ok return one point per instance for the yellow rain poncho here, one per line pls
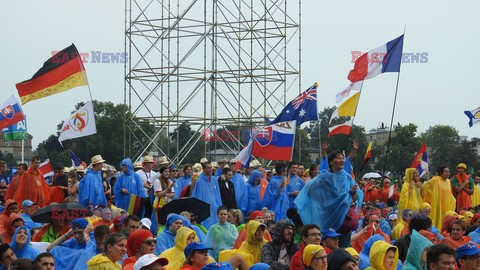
(438, 193)
(102, 262)
(377, 255)
(175, 255)
(476, 195)
(410, 196)
(252, 245)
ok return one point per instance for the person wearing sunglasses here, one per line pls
(139, 243)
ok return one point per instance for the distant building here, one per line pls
(15, 148)
(379, 136)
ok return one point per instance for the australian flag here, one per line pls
(303, 108)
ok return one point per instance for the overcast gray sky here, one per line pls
(436, 92)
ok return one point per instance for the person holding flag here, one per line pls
(128, 183)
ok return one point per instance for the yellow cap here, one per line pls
(308, 253)
(462, 165)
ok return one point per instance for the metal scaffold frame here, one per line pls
(212, 63)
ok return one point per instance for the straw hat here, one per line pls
(97, 159)
(137, 165)
(233, 161)
(203, 160)
(80, 169)
(163, 161)
(148, 159)
(223, 160)
(215, 165)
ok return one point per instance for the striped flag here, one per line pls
(61, 72)
(344, 128)
(136, 205)
(368, 155)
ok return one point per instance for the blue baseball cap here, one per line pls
(220, 266)
(27, 203)
(467, 250)
(330, 232)
(195, 246)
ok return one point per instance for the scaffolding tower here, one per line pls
(212, 64)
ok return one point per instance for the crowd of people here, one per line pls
(288, 217)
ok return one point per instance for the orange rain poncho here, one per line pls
(438, 193)
(32, 187)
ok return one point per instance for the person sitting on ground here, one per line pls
(99, 234)
(330, 239)
(340, 259)
(242, 236)
(222, 235)
(383, 256)
(11, 206)
(52, 231)
(106, 218)
(255, 240)
(370, 226)
(416, 256)
(21, 244)
(197, 258)
(279, 252)
(14, 221)
(311, 234)
(150, 262)
(130, 224)
(79, 240)
(441, 257)
(235, 217)
(401, 228)
(176, 255)
(139, 243)
(314, 257)
(145, 224)
(7, 256)
(468, 257)
(166, 238)
(28, 208)
(114, 249)
(457, 236)
(418, 223)
(45, 260)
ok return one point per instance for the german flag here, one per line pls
(368, 155)
(61, 72)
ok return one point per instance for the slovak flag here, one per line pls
(274, 142)
(11, 113)
(386, 58)
(421, 161)
(301, 109)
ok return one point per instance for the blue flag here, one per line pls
(75, 160)
(303, 108)
(473, 116)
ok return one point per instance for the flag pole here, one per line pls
(23, 151)
(96, 131)
(393, 111)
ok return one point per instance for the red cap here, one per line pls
(255, 214)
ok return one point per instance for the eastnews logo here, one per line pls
(383, 57)
(94, 57)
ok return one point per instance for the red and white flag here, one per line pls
(46, 168)
(344, 128)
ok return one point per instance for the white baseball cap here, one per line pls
(146, 222)
(147, 260)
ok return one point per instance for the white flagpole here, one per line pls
(23, 151)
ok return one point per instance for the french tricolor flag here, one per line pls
(386, 58)
(10, 113)
(344, 128)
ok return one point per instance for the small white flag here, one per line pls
(81, 123)
(346, 91)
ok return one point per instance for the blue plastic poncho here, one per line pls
(221, 237)
(207, 190)
(272, 192)
(79, 262)
(130, 181)
(27, 251)
(90, 190)
(29, 222)
(323, 164)
(240, 187)
(64, 256)
(295, 184)
(180, 184)
(360, 197)
(281, 205)
(260, 266)
(166, 239)
(325, 200)
(251, 198)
